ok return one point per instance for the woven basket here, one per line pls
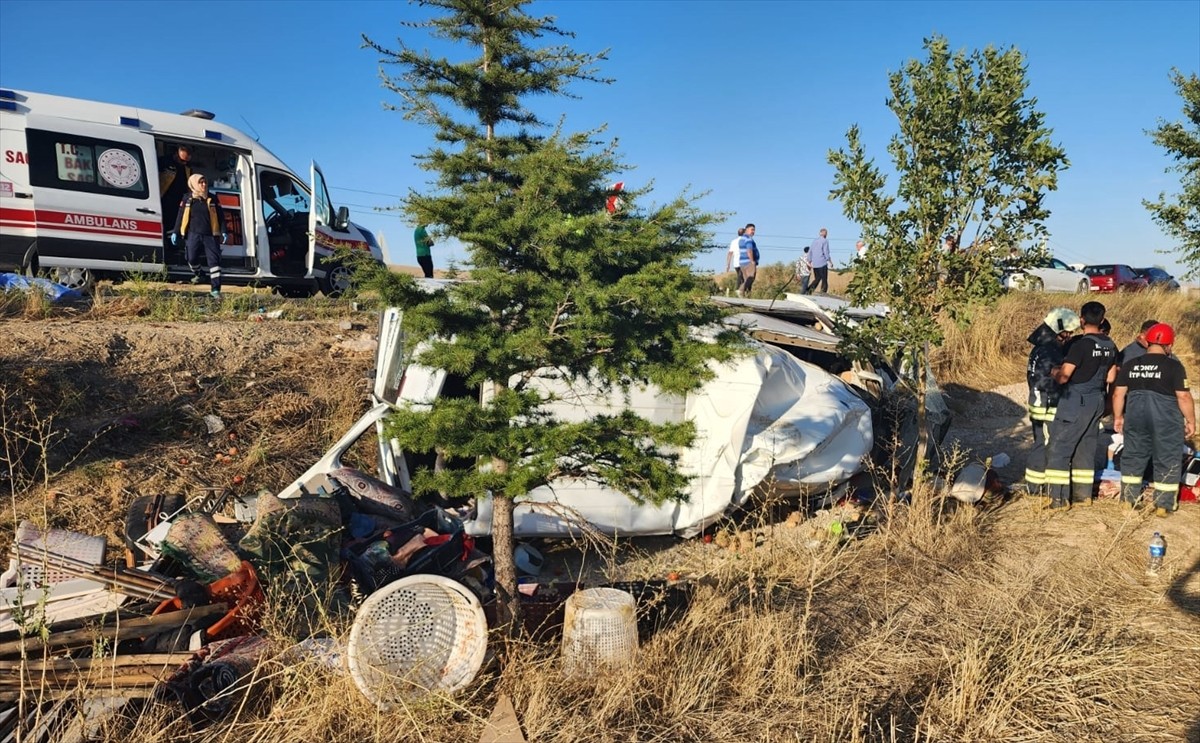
(599, 629)
(419, 634)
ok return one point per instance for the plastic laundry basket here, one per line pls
(599, 629)
(418, 634)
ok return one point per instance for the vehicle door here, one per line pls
(95, 194)
(321, 241)
(1062, 278)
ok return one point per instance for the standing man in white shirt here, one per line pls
(731, 256)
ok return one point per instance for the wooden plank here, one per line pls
(83, 664)
(503, 726)
(120, 631)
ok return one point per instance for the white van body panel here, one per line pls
(765, 420)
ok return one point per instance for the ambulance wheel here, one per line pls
(80, 279)
(336, 280)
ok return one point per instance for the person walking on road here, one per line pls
(1048, 339)
(1153, 410)
(821, 262)
(804, 271)
(424, 242)
(200, 220)
(1088, 367)
(747, 260)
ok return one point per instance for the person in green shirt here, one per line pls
(424, 243)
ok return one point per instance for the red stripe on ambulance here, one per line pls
(98, 223)
(12, 217)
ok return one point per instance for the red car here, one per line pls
(1114, 277)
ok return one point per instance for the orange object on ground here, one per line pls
(241, 591)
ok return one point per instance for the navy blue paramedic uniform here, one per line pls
(201, 222)
(1074, 431)
(1154, 426)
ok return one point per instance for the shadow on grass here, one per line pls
(1189, 602)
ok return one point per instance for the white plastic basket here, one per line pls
(419, 634)
(32, 573)
(599, 629)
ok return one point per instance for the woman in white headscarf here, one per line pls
(200, 220)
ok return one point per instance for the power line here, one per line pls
(360, 190)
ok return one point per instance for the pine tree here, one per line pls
(557, 288)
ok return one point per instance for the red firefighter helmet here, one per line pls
(1161, 334)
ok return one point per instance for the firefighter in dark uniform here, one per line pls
(1048, 340)
(200, 220)
(1088, 367)
(173, 175)
(1153, 408)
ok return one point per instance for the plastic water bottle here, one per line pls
(1158, 548)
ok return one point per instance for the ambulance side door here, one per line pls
(95, 194)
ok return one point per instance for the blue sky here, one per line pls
(739, 99)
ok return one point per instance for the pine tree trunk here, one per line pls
(508, 605)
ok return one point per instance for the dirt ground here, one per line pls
(122, 404)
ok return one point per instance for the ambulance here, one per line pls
(80, 199)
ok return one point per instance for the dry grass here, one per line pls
(930, 629)
(968, 625)
(990, 350)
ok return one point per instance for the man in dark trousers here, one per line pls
(173, 174)
(1048, 339)
(424, 257)
(1088, 367)
(1152, 407)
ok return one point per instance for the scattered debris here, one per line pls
(214, 424)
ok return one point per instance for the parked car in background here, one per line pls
(1114, 277)
(1158, 278)
(1051, 275)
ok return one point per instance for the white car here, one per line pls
(1052, 275)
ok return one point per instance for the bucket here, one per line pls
(599, 629)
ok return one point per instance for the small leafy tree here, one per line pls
(1180, 217)
(557, 288)
(973, 160)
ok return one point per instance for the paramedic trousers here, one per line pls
(1153, 434)
(1071, 454)
(1035, 464)
(212, 256)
